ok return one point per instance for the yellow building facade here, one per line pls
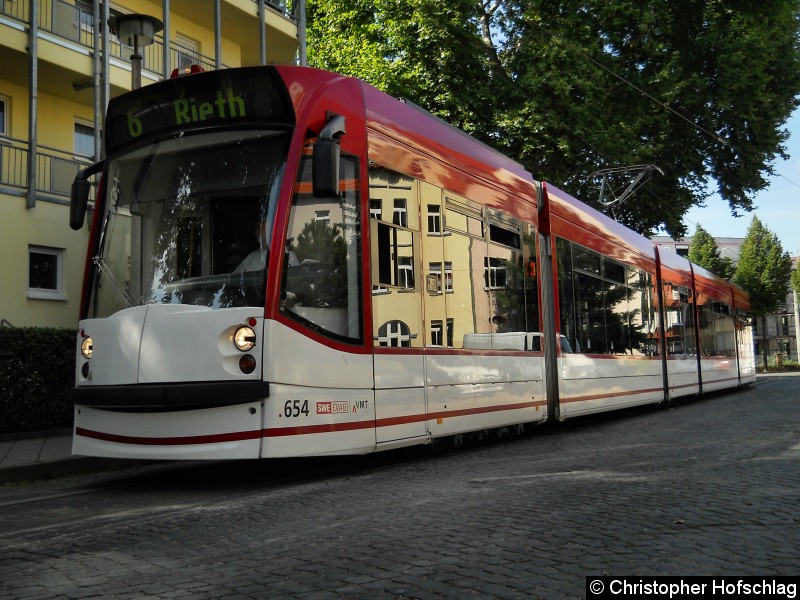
(53, 93)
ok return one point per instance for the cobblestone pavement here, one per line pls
(709, 487)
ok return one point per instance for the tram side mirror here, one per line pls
(325, 161)
(325, 168)
(79, 195)
(78, 201)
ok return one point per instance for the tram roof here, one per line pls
(712, 285)
(674, 268)
(576, 221)
(417, 128)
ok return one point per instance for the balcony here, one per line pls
(55, 169)
(76, 24)
(67, 36)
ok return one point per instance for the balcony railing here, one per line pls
(55, 169)
(73, 23)
(76, 24)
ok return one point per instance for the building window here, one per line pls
(322, 215)
(84, 140)
(3, 115)
(400, 215)
(394, 333)
(85, 14)
(434, 219)
(375, 209)
(405, 272)
(45, 273)
(494, 273)
(188, 52)
(436, 272)
(437, 337)
(448, 277)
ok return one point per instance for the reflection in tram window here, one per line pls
(400, 214)
(394, 333)
(605, 307)
(679, 328)
(475, 291)
(322, 275)
(434, 219)
(716, 328)
(396, 272)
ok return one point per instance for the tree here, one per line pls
(700, 88)
(763, 271)
(703, 251)
(796, 278)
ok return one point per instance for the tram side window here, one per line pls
(395, 259)
(467, 304)
(680, 320)
(690, 325)
(725, 332)
(605, 307)
(566, 296)
(617, 315)
(641, 316)
(590, 315)
(531, 282)
(519, 301)
(501, 313)
(616, 311)
(322, 276)
(504, 274)
(589, 302)
(717, 332)
(471, 273)
(744, 337)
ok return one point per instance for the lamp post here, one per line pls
(135, 30)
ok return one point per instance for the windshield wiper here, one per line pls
(103, 268)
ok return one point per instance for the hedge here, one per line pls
(37, 372)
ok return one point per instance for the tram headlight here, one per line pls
(86, 347)
(244, 339)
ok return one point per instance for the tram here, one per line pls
(288, 262)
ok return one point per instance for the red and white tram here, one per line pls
(288, 262)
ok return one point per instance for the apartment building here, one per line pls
(57, 71)
(782, 334)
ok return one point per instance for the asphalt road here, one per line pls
(708, 487)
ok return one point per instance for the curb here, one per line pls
(64, 468)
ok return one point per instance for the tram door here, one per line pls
(397, 319)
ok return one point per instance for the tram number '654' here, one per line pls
(295, 408)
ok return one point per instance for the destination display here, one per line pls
(212, 98)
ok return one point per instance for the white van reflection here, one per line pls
(517, 341)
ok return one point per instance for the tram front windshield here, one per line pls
(189, 220)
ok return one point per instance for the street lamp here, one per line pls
(135, 30)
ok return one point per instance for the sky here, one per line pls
(777, 206)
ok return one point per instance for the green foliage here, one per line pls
(703, 251)
(763, 269)
(553, 84)
(774, 365)
(321, 277)
(796, 278)
(321, 242)
(37, 372)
